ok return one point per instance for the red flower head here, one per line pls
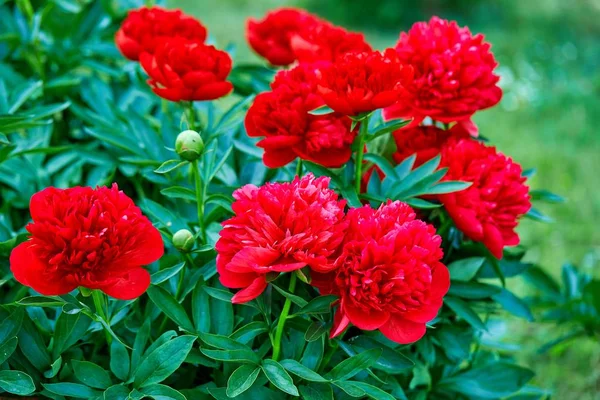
(326, 42)
(363, 82)
(182, 69)
(279, 227)
(389, 275)
(424, 141)
(282, 117)
(488, 210)
(145, 28)
(454, 73)
(95, 238)
(271, 37)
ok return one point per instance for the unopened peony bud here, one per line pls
(183, 240)
(189, 145)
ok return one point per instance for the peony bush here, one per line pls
(330, 224)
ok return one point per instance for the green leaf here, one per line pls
(388, 127)
(390, 361)
(11, 324)
(91, 374)
(16, 382)
(318, 305)
(54, 368)
(139, 345)
(297, 300)
(350, 389)
(315, 330)
(313, 355)
(165, 274)
(416, 202)
(33, 346)
(447, 187)
(242, 379)
(117, 392)
(179, 192)
(7, 348)
(370, 390)
(493, 381)
(163, 361)
(219, 294)
(169, 166)
(316, 391)
(41, 301)
(71, 390)
(201, 308)
(547, 196)
(23, 93)
(513, 304)
(353, 365)
(170, 306)
(323, 110)
(222, 342)
(473, 290)
(119, 361)
(404, 168)
(277, 375)
(69, 329)
(162, 392)
(463, 310)
(537, 215)
(382, 163)
(249, 331)
(465, 269)
(246, 356)
(301, 371)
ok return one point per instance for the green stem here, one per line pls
(191, 115)
(199, 199)
(362, 134)
(101, 302)
(299, 168)
(284, 314)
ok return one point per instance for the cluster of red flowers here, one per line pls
(287, 35)
(384, 264)
(170, 47)
(488, 210)
(282, 116)
(95, 238)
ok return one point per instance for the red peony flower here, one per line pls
(424, 141)
(488, 210)
(324, 42)
(279, 227)
(389, 275)
(182, 69)
(95, 238)
(454, 74)
(363, 82)
(282, 117)
(145, 28)
(271, 37)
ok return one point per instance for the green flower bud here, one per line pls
(183, 240)
(189, 145)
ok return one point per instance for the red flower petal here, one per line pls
(30, 271)
(129, 286)
(367, 321)
(340, 323)
(403, 331)
(251, 292)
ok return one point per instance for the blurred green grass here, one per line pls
(549, 57)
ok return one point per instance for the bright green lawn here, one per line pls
(547, 120)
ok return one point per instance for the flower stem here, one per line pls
(362, 133)
(191, 115)
(284, 314)
(199, 198)
(100, 302)
(299, 168)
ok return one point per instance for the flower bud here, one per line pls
(189, 145)
(183, 240)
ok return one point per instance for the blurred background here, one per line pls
(549, 55)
